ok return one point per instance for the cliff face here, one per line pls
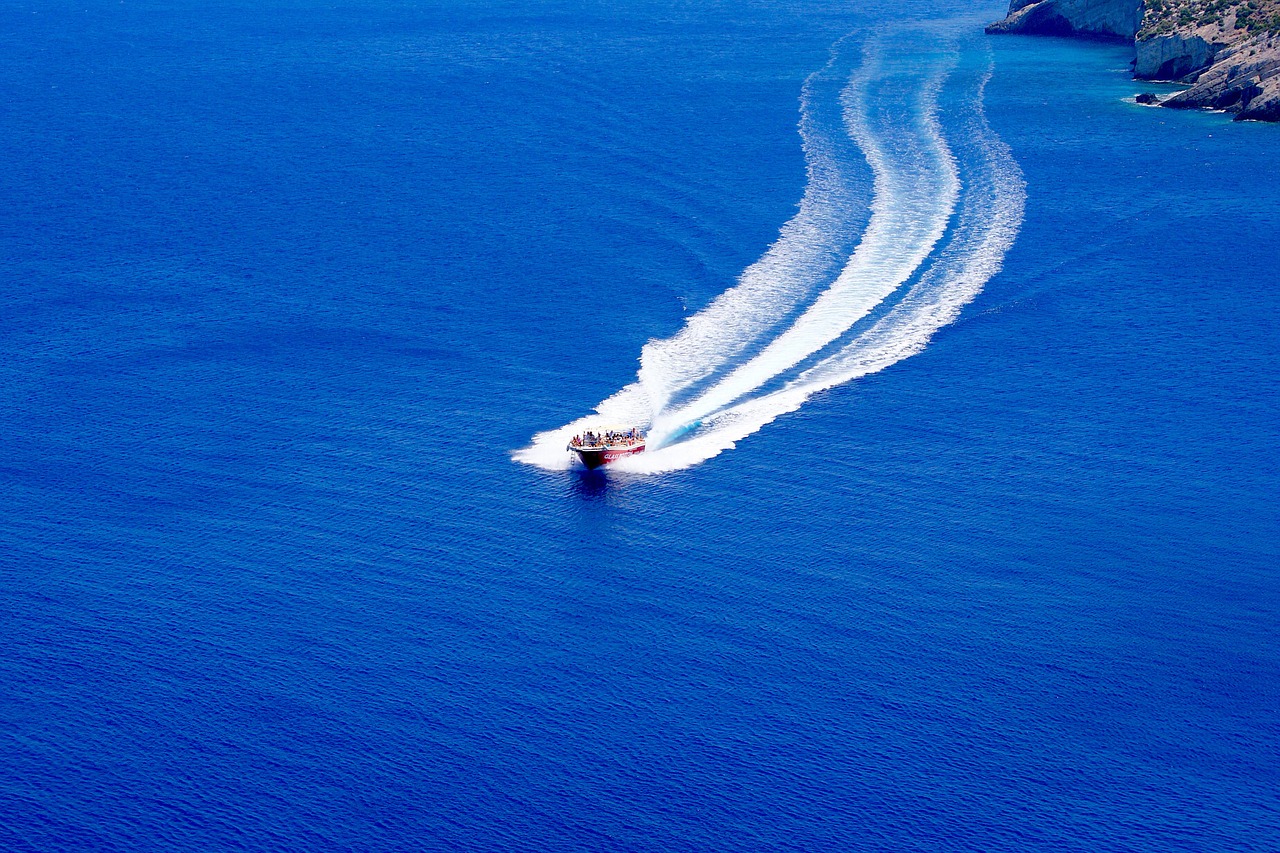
(1106, 19)
(1176, 56)
(1229, 50)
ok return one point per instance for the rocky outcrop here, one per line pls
(1102, 19)
(1229, 53)
(1243, 79)
(1227, 50)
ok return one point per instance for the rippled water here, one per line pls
(964, 531)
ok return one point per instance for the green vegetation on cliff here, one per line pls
(1252, 16)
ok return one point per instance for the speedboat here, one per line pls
(602, 445)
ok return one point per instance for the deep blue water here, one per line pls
(287, 283)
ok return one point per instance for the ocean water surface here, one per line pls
(962, 533)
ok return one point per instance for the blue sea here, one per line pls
(959, 529)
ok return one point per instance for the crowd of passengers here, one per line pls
(608, 438)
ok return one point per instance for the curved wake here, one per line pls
(826, 305)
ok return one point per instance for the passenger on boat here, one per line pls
(629, 438)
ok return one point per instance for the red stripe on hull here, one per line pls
(595, 457)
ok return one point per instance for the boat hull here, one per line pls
(594, 457)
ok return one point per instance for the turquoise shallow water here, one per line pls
(288, 286)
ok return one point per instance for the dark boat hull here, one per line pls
(594, 457)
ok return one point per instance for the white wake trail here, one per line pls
(990, 216)
(988, 224)
(923, 185)
(916, 187)
(809, 248)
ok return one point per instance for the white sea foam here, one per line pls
(808, 248)
(916, 186)
(921, 189)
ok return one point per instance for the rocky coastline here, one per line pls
(1226, 51)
